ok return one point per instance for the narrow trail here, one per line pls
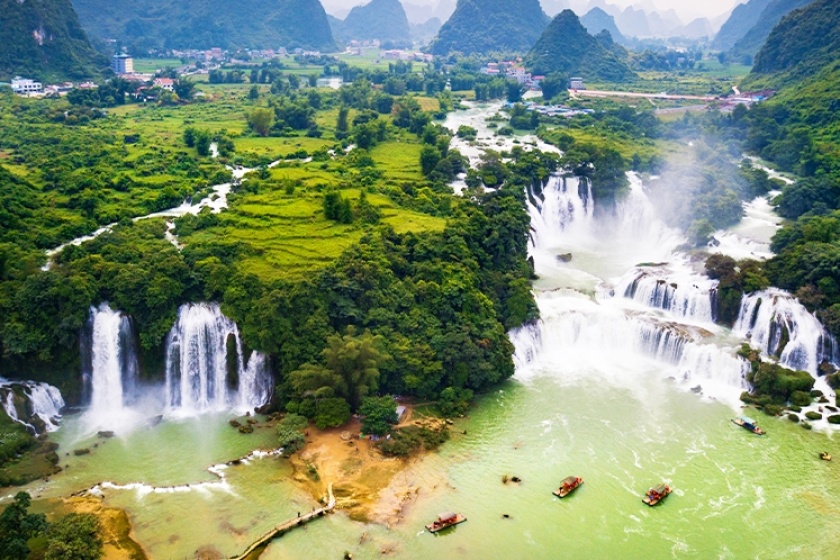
(288, 526)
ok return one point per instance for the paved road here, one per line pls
(601, 93)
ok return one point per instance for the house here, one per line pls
(25, 86)
(576, 83)
(164, 83)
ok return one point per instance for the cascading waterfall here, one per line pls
(586, 329)
(682, 294)
(204, 361)
(110, 353)
(777, 324)
(35, 405)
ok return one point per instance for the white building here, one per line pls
(24, 86)
(576, 83)
(122, 64)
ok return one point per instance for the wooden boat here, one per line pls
(445, 520)
(748, 424)
(656, 495)
(825, 456)
(569, 484)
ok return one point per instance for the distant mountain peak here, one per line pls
(482, 26)
(566, 48)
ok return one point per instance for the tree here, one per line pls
(289, 433)
(75, 536)
(429, 158)
(341, 126)
(202, 142)
(254, 93)
(18, 526)
(552, 85)
(378, 414)
(351, 370)
(189, 136)
(331, 412)
(261, 120)
(184, 88)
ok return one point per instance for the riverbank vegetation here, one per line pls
(351, 235)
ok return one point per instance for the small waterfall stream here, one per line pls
(35, 405)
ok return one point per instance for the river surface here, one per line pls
(609, 387)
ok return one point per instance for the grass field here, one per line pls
(151, 65)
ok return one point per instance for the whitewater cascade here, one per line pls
(611, 314)
(778, 325)
(680, 293)
(109, 356)
(205, 369)
(35, 405)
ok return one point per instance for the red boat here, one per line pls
(569, 484)
(656, 495)
(445, 520)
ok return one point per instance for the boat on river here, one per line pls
(569, 484)
(445, 520)
(656, 495)
(748, 424)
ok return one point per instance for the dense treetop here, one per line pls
(482, 26)
(804, 42)
(43, 39)
(202, 24)
(566, 48)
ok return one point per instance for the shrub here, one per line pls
(407, 440)
(773, 409)
(800, 398)
(793, 417)
(811, 415)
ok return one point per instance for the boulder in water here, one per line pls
(246, 429)
(105, 434)
(564, 257)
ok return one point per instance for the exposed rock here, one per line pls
(565, 257)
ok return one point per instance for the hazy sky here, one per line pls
(687, 9)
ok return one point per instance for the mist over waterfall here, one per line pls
(109, 356)
(205, 367)
(605, 315)
(778, 325)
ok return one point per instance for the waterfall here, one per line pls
(662, 319)
(778, 325)
(682, 294)
(563, 205)
(204, 364)
(110, 371)
(35, 405)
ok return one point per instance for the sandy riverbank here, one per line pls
(368, 486)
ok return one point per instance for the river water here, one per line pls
(625, 382)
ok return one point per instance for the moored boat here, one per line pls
(656, 495)
(569, 484)
(445, 520)
(748, 424)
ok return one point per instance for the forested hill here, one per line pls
(380, 19)
(566, 48)
(43, 39)
(597, 20)
(804, 42)
(482, 26)
(181, 24)
(748, 45)
(740, 21)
